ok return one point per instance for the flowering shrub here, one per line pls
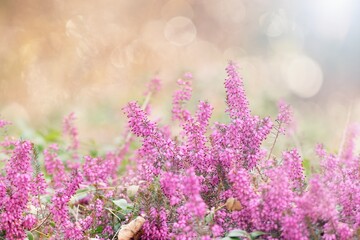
(211, 181)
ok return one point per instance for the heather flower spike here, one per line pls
(4, 123)
(284, 118)
(180, 97)
(16, 190)
(238, 105)
(70, 130)
(154, 86)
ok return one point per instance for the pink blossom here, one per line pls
(59, 208)
(156, 227)
(284, 117)
(238, 105)
(293, 167)
(54, 166)
(70, 130)
(180, 98)
(18, 185)
(154, 86)
(4, 123)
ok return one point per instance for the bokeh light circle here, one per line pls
(303, 76)
(274, 23)
(180, 31)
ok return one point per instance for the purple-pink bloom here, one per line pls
(70, 130)
(284, 117)
(238, 105)
(18, 185)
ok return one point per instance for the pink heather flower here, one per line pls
(293, 167)
(180, 98)
(138, 121)
(2, 191)
(17, 184)
(170, 183)
(69, 129)
(96, 170)
(29, 221)
(337, 230)
(343, 231)
(284, 117)
(37, 188)
(54, 166)
(192, 211)
(203, 115)
(114, 159)
(195, 171)
(59, 208)
(86, 222)
(320, 151)
(154, 86)
(238, 105)
(73, 231)
(341, 179)
(4, 123)
(157, 149)
(192, 188)
(318, 203)
(347, 151)
(195, 131)
(217, 230)
(156, 227)
(293, 226)
(348, 196)
(243, 191)
(205, 238)
(276, 198)
(244, 138)
(108, 230)
(330, 167)
(99, 209)
(39, 185)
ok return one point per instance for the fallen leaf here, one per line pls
(129, 230)
(232, 204)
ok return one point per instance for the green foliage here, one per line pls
(123, 204)
(29, 235)
(241, 234)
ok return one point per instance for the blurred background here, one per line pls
(91, 57)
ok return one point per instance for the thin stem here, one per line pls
(38, 226)
(313, 235)
(220, 207)
(115, 235)
(41, 233)
(276, 137)
(110, 210)
(261, 175)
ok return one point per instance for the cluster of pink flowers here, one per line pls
(227, 161)
(43, 203)
(3, 123)
(71, 131)
(15, 191)
(209, 180)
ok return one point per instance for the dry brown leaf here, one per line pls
(232, 204)
(129, 230)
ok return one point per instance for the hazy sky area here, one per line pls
(60, 56)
